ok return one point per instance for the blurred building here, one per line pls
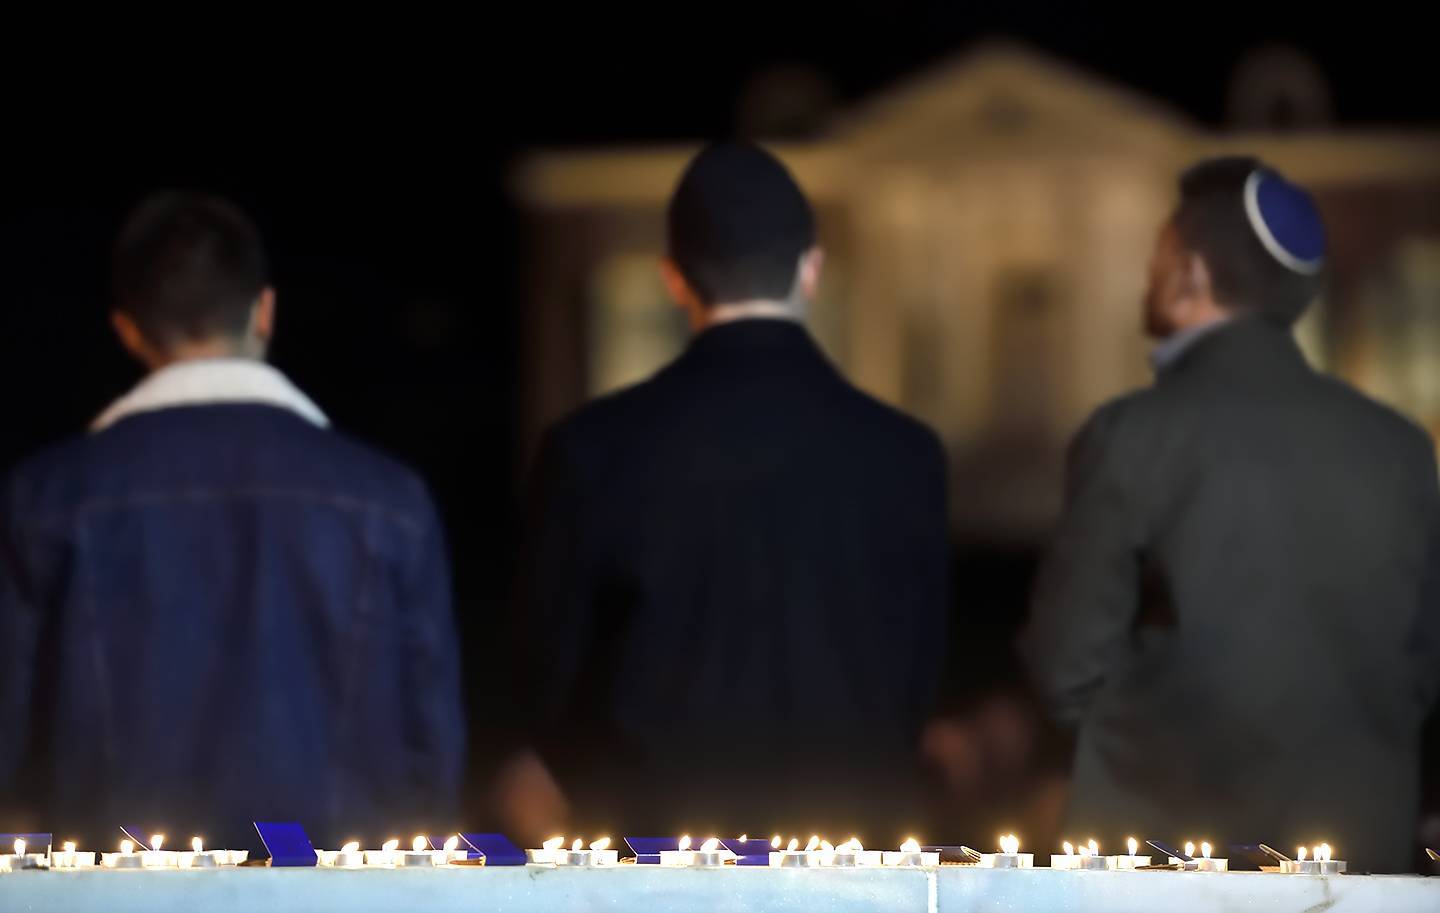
(988, 227)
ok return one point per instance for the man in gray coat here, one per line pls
(1238, 613)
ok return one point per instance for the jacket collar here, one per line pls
(208, 382)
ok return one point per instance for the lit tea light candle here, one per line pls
(68, 858)
(20, 859)
(1185, 863)
(602, 854)
(1320, 863)
(197, 858)
(547, 852)
(1089, 858)
(1205, 863)
(823, 853)
(157, 857)
(127, 858)
(576, 855)
(909, 854)
(347, 857)
(709, 854)
(420, 855)
(844, 854)
(1130, 861)
(1009, 856)
(451, 852)
(792, 857)
(681, 855)
(1065, 860)
(385, 856)
(853, 853)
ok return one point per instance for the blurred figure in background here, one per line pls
(216, 609)
(736, 588)
(1230, 610)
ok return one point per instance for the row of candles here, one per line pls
(156, 857)
(817, 853)
(711, 853)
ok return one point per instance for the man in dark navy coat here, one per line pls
(736, 591)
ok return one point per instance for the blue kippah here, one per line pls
(1286, 220)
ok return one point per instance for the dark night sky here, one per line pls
(372, 152)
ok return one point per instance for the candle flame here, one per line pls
(911, 845)
(1094, 847)
(352, 847)
(553, 844)
(1009, 844)
(1084, 851)
(794, 845)
(391, 845)
(812, 844)
(419, 844)
(775, 844)
(1205, 849)
(826, 846)
(744, 837)
(684, 843)
(711, 845)
(19, 847)
(1068, 847)
(69, 846)
(452, 843)
(1132, 844)
(855, 844)
(1324, 854)
(195, 845)
(1189, 848)
(602, 844)
(156, 841)
(126, 847)
(1300, 854)
(575, 847)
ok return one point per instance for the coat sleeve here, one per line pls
(434, 664)
(20, 619)
(1086, 596)
(1425, 631)
(934, 576)
(555, 611)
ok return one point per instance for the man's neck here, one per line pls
(750, 310)
(209, 350)
(1168, 350)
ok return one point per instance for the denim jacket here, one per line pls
(215, 610)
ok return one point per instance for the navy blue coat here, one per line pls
(215, 614)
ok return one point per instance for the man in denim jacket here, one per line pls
(214, 608)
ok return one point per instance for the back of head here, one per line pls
(1260, 236)
(738, 224)
(187, 267)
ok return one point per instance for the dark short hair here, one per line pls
(1211, 221)
(738, 223)
(186, 267)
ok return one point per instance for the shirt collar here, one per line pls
(1168, 351)
(210, 381)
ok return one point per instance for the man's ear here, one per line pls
(677, 286)
(262, 315)
(812, 264)
(132, 339)
(1197, 278)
